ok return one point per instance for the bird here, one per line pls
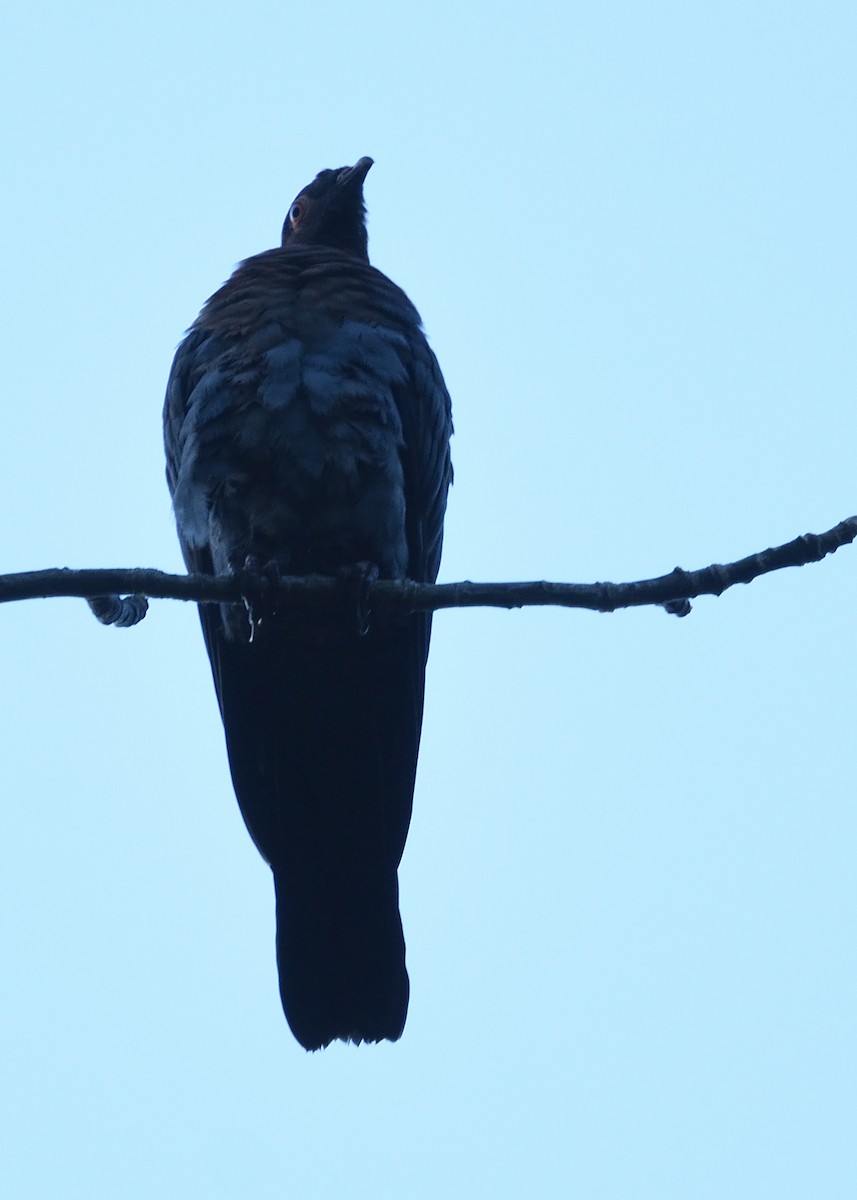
(307, 431)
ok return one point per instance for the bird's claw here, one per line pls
(259, 585)
(358, 579)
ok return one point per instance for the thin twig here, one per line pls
(106, 587)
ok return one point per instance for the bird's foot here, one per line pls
(358, 578)
(259, 586)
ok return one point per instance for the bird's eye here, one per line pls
(296, 213)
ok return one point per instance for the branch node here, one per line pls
(678, 608)
(121, 611)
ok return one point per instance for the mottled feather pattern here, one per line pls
(335, 387)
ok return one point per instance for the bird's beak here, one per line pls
(354, 176)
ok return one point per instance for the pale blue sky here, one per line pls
(629, 891)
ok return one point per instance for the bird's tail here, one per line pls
(323, 730)
(341, 953)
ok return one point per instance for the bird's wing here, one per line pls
(426, 415)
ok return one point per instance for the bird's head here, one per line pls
(330, 212)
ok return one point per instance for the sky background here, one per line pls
(629, 891)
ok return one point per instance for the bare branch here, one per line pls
(105, 588)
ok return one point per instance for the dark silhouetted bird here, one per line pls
(307, 429)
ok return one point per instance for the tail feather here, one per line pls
(341, 956)
(322, 729)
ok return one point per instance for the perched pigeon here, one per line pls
(307, 430)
